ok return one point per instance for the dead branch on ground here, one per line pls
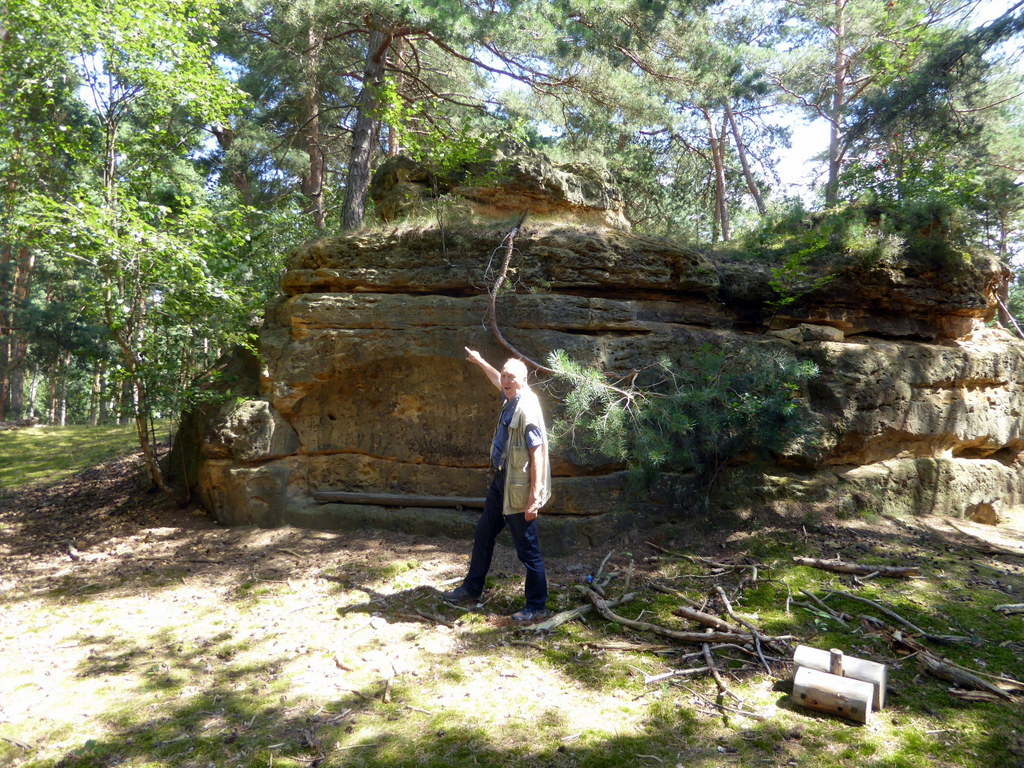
(574, 613)
(726, 708)
(942, 639)
(707, 619)
(716, 565)
(657, 587)
(757, 636)
(651, 679)
(723, 689)
(944, 669)
(623, 645)
(419, 613)
(840, 617)
(838, 566)
(973, 696)
(716, 636)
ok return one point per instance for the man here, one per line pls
(521, 485)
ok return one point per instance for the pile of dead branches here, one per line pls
(712, 626)
(907, 641)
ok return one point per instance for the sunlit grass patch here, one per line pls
(48, 454)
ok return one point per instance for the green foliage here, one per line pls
(793, 278)
(178, 291)
(693, 417)
(805, 249)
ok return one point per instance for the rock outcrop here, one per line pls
(364, 385)
(511, 180)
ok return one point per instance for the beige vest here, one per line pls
(517, 456)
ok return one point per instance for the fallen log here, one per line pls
(838, 566)
(398, 499)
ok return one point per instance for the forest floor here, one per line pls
(137, 633)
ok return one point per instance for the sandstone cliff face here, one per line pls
(365, 387)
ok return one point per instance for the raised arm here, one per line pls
(493, 374)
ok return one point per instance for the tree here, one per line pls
(694, 416)
(320, 89)
(38, 137)
(150, 85)
(840, 53)
(682, 116)
(950, 134)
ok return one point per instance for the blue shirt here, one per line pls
(533, 436)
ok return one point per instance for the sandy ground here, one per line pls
(128, 620)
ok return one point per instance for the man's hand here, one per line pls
(531, 512)
(473, 356)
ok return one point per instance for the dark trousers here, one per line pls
(524, 535)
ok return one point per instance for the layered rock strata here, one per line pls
(364, 385)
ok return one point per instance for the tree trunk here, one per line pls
(104, 396)
(95, 396)
(741, 150)
(239, 178)
(394, 131)
(51, 398)
(718, 161)
(146, 443)
(1003, 301)
(123, 412)
(17, 266)
(33, 392)
(17, 393)
(62, 390)
(141, 414)
(358, 180)
(16, 270)
(313, 181)
(839, 73)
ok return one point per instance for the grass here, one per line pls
(297, 648)
(49, 454)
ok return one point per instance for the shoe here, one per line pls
(460, 595)
(530, 614)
